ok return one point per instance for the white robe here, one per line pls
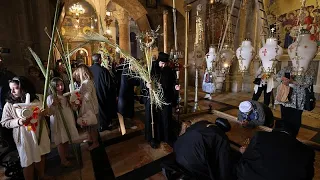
(269, 82)
(26, 141)
(58, 131)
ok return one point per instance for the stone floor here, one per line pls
(130, 157)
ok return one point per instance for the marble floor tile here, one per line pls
(158, 176)
(87, 170)
(132, 154)
(306, 134)
(233, 112)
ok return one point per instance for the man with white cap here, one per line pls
(253, 113)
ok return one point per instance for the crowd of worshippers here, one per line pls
(103, 93)
(203, 152)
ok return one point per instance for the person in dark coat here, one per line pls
(253, 113)
(162, 117)
(106, 93)
(5, 76)
(203, 151)
(276, 155)
(126, 97)
(119, 69)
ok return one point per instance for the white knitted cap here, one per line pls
(245, 106)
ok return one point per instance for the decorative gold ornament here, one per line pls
(86, 30)
(63, 31)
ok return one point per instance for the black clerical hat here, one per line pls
(223, 124)
(163, 57)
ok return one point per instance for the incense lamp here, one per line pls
(211, 56)
(302, 51)
(245, 54)
(226, 56)
(269, 55)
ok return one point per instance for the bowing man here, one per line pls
(203, 151)
(276, 155)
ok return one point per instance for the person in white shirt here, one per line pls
(263, 84)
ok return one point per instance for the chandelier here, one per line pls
(77, 9)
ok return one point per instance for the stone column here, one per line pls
(113, 29)
(123, 21)
(165, 31)
(187, 21)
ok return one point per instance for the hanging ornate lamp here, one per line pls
(302, 51)
(269, 54)
(210, 58)
(226, 56)
(245, 54)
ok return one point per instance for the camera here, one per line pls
(4, 50)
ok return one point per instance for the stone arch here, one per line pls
(137, 11)
(86, 56)
(85, 50)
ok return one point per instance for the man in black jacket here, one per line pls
(276, 155)
(106, 93)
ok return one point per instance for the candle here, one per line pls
(27, 98)
(174, 4)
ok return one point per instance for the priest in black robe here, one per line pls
(127, 96)
(203, 151)
(276, 155)
(166, 78)
(106, 93)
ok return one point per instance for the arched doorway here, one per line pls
(82, 56)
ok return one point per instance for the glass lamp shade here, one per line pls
(227, 55)
(245, 54)
(211, 57)
(302, 51)
(269, 54)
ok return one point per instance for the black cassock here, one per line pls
(162, 117)
(204, 152)
(277, 156)
(118, 75)
(126, 94)
(106, 94)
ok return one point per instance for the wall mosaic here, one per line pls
(288, 25)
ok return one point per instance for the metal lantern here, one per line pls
(245, 54)
(226, 56)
